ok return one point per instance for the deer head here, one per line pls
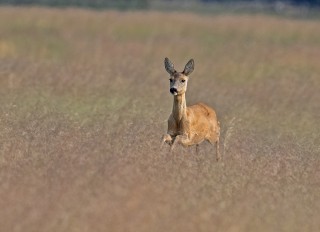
(178, 80)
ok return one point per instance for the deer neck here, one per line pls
(179, 107)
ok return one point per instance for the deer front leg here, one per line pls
(197, 149)
(182, 139)
(166, 139)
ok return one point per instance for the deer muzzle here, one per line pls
(174, 91)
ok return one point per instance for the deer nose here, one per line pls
(173, 90)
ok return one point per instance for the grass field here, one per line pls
(84, 99)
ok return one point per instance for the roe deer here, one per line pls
(193, 124)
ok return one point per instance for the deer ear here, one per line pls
(169, 66)
(188, 69)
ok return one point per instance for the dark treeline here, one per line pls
(117, 4)
(292, 2)
(145, 4)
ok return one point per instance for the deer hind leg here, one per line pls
(216, 142)
(217, 150)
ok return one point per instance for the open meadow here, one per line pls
(84, 99)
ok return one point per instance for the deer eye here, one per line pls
(171, 80)
(183, 80)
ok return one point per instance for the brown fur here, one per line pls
(189, 125)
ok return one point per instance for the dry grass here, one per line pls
(84, 98)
